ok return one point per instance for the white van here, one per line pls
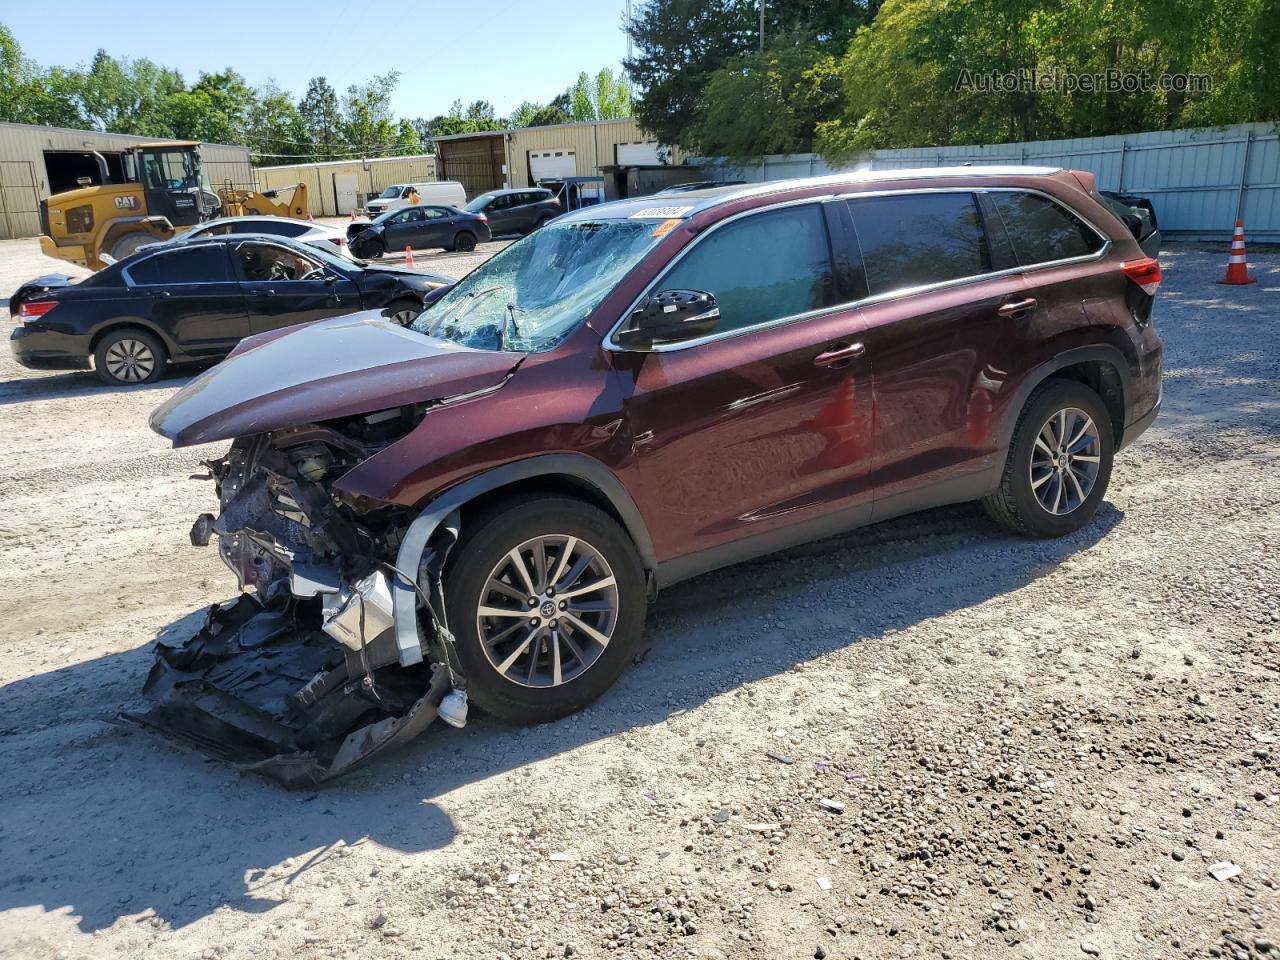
(444, 192)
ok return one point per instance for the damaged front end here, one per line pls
(304, 675)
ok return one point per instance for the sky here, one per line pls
(503, 51)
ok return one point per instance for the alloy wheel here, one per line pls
(547, 611)
(404, 317)
(1065, 461)
(130, 361)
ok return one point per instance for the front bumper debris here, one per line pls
(266, 688)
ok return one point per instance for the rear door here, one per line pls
(193, 298)
(500, 214)
(763, 427)
(436, 227)
(945, 330)
(283, 286)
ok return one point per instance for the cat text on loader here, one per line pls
(163, 193)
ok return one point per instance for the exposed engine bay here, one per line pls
(307, 673)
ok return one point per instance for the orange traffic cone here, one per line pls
(1237, 265)
(408, 257)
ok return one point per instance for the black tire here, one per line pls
(464, 242)
(396, 310)
(1015, 505)
(129, 357)
(372, 250)
(486, 542)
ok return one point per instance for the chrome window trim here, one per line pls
(613, 346)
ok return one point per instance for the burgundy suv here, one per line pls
(481, 504)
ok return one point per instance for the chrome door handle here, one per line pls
(836, 355)
(1017, 307)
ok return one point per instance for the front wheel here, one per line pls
(127, 358)
(403, 312)
(372, 250)
(1059, 462)
(546, 598)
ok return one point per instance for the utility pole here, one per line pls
(628, 29)
(762, 26)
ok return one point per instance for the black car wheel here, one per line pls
(464, 242)
(371, 250)
(403, 312)
(1059, 462)
(129, 357)
(546, 597)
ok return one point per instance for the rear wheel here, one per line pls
(403, 312)
(128, 245)
(1059, 462)
(546, 597)
(464, 242)
(129, 358)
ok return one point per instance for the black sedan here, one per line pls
(195, 302)
(421, 227)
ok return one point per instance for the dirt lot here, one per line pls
(925, 739)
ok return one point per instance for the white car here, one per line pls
(304, 231)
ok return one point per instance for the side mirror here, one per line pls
(331, 278)
(669, 317)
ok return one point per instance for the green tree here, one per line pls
(321, 117)
(407, 141)
(612, 95)
(582, 101)
(275, 130)
(769, 102)
(679, 44)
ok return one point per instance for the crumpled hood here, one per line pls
(333, 368)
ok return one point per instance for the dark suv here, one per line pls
(635, 394)
(516, 211)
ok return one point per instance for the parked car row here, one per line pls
(194, 299)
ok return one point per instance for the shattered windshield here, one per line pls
(535, 293)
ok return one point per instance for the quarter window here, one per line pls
(761, 268)
(921, 238)
(1041, 230)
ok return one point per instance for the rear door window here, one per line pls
(1042, 230)
(761, 268)
(197, 265)
(921, 238)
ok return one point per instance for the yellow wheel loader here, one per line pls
(164, 193)
(243, 203)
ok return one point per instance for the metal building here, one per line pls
(336, 187)
(631, 161)
(36, 162)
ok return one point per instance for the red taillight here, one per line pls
(1145, 273)
(36, 308)
(483, 218)
(336, 241)
(556, 201)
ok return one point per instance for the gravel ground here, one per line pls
(923, 739)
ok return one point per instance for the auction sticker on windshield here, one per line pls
(660, 213)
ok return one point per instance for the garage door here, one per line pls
(552, 164)
(638, 154)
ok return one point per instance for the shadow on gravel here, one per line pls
(120, 824)
(80, 383)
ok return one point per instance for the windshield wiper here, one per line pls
(510, 319)
(463, 308)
